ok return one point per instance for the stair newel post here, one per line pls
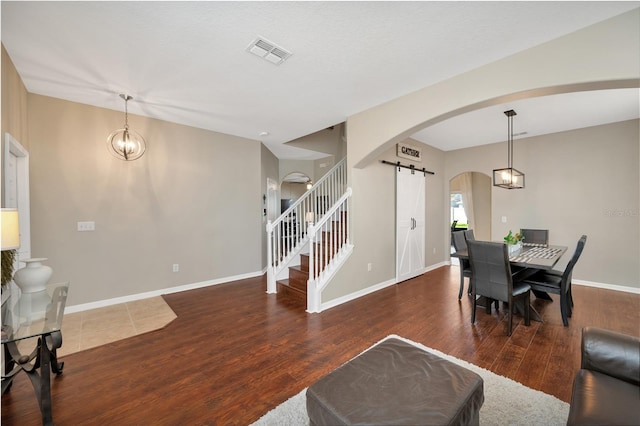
(312, 294)
(271, 276)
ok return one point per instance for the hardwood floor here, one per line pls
(235, 352)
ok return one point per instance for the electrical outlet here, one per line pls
(176, 267)
(369, 267)
(86, 226)
(504, 219)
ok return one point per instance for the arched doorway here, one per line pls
(293, 186)
(470, 194)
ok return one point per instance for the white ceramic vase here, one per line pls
(33, 277)
(515, 248)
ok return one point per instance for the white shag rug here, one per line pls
(506, 402)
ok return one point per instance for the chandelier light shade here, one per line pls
(125, 143)
(509, 177)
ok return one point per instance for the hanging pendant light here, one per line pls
(126, 144)
(509, 177)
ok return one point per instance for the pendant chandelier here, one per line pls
(509, 177)
(126, 144)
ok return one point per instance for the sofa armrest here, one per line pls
(611, 353)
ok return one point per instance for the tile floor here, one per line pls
(88, 329)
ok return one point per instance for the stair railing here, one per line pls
(329, 246)
(287, 235)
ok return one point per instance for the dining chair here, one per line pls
(559, 282)
(535, 236)
(460, 243)
(491, 277)
(468, 235)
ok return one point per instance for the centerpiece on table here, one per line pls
(514, 241)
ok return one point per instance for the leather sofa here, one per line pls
(606, 390)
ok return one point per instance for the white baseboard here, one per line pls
(615, 287)
(349, 297)
(154, 293)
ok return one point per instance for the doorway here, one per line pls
(470, 194)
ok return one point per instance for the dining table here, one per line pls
(526, 261)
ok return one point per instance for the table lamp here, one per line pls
(10, 240)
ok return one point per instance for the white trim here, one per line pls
(356, 295)
(614, 287)
(154, 293)
(13, 147)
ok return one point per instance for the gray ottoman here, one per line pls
(396, 383)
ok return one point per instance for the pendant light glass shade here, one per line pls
(125, 143)
(508, 177)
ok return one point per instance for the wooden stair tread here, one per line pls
(288, 291)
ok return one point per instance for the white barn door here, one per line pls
(410, 223)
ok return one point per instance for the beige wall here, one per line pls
(301, 166)
(269, 170)
(14, 102)
(14, 109)
(292, 190)
(193, 199)
(328, 141)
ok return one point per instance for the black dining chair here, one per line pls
(460, 243)
(491, 277)
(468, 235)
(559, 282)
(535, 236)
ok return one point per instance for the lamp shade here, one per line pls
(10, 230)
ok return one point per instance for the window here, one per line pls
(457, 210)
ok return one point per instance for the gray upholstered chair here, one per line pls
(460, 243)
(468, 235)
(491, 277)
(559, 282)
(535, 236)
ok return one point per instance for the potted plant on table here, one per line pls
(514, 241)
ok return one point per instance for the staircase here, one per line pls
(326, 248)
(309, 242)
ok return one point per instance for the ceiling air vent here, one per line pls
(268, 51)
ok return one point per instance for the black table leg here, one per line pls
(45, 359)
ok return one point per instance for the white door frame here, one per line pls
(16, 190)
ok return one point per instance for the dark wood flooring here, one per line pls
(235, 352)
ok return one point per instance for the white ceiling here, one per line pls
(186, 62)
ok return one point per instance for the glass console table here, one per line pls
(34, 315)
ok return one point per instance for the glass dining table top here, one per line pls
(26, 315)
